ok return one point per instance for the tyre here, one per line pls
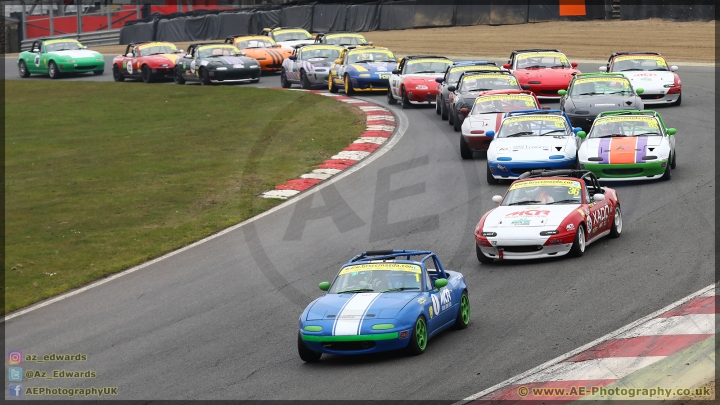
(178, 77)
(22, 68)
(490, 178)
(405, 101)
(284, 83)
(678, 101)
(205, 77)
(463, 316)
(667, 175)
(674, 161)
(616, 228)
(450, 116)
(437, 105)
(305, 353)
(117, 75)
(390, 99)
(457, 123)
(98, 72)
(53, 70)
(578, 246)
(443, 110)
(481, 257)
(348, 85)
(331, 86)
(465, 151)
(304, 81)
(419, 337)
(147, 75)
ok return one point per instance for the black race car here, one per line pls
(212, 62)
(589, 94)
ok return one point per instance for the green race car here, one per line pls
(54, 57)
(628, 145)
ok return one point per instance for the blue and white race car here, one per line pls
(383, 300)
(530, 140)
(362, 68)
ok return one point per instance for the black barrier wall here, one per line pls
(394, 15)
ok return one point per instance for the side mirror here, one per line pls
(292, 57)
(441, 282)
(525, 87)
(545, 107)
(396, 71)
(324, 286)
(370, 43)
(506, 66)
(399, 60)
(562, 92)
(497, 199)
(673, 68)
(439, 79)
(338, 61)
(598, 197)
(464, 111)
(573, 64)
(639, 90)
(671, 131)
(452, 88)
(490, 134)
(581, 134)
(576, 130)
(84, 47)
(603, 68)
(129, 55)
(242, 54)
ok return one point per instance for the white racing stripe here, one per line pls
(350, 316)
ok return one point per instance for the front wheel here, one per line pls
(443, 110)
(147, 75)
(391, 100)
(22, 68)
(463, 316)
(284, 83)
(405, 100)
(465, 151)
(578, 246)
(53, 71)
(490, 178)
(117, 75)
(419, 337)
(331, 86)
(304, 81)
(305, 353)
(616, 228)
(481, 256)
(678, 101)
(348, 86)
(667, 175)
(178, 77)
(205, 77)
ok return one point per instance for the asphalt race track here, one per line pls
(219, 320)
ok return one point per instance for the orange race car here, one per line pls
(269, 55)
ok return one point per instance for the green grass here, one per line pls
(100, 177)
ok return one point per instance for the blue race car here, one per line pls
(382, 300)
(362, 69)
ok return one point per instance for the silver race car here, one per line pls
(308, 66)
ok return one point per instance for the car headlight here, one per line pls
(221, 68)
(70, 61)
(364, 75)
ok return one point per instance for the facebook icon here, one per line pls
(15, 390)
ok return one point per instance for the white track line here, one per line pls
(581, 349)
(401, 129)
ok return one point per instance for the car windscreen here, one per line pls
(370, 56)
(157, 49)
(542, 60)
(594, 86)
(542, 192)
(291, 35)
(533, 125)
(489, 82)
(456, 72)
(255, 43)
(503, 103)
(345, 40)
(221, 50)
(378, 277)
(427, 66)
(53, 46)
(639, 63)
(625, 126)
(319, 52)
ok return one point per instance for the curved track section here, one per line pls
(219, 320)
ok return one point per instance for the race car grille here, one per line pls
(86, 67)
(362, 345)
(520, 249)
(652, 96)
(623, 171)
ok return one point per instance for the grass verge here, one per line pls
(100, 177)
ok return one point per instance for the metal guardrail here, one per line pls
(96, 38)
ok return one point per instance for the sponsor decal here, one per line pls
(660, 61)
(412, 268)
(441, 301)
(537, 54)
(582, 213)
(529, 213)
(521, 221)
(151, 44)
(536, 183)
(548, 120)
(416, 61)
(454, 282)
(570, 227)
(612, 80)
(529, 100)
(404, 334)
(639, 119)
(600, 215)
(421, 300)
(431, 312)
(603, 105)
(517, 148)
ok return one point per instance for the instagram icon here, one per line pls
(15, 358)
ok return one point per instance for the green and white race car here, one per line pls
(54, 57)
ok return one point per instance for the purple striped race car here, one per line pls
(309, 66)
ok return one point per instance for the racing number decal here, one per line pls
(192, 67)
(37, 60)
(129, 67)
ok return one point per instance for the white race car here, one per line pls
(289, 38)
(649, 71)
(531, 140)
(548, 214)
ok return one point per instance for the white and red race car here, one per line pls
(650, 71)
(548, 214)
(414, 79)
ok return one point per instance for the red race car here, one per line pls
(487, 113)
(414, 79)
(147, 61)
(545, 70)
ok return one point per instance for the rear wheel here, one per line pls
(450, 116)
(616, 228)
(465, 151)
(678, 101)
(456, 122)
(22, 68)
(481, 256)
(348, 86)
(578, 246)
(405, 100)
(331, 86)
(490, 178)
(443, 110)
(284, 83)
(391, 100)
(305, 82)
(463, 315)
(419, 338)
(178, 77)
(147, 75)
(305, 353)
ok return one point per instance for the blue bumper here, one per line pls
(356, 344)
(372, 83)
(513, 169)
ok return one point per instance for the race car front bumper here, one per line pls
(421, 95)
(357, 344)
(318, 78)
(369, 84)
(513, 169)
(519, 244)
(627, 172)
(81, 67)
(659, 98)
(234, 75)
